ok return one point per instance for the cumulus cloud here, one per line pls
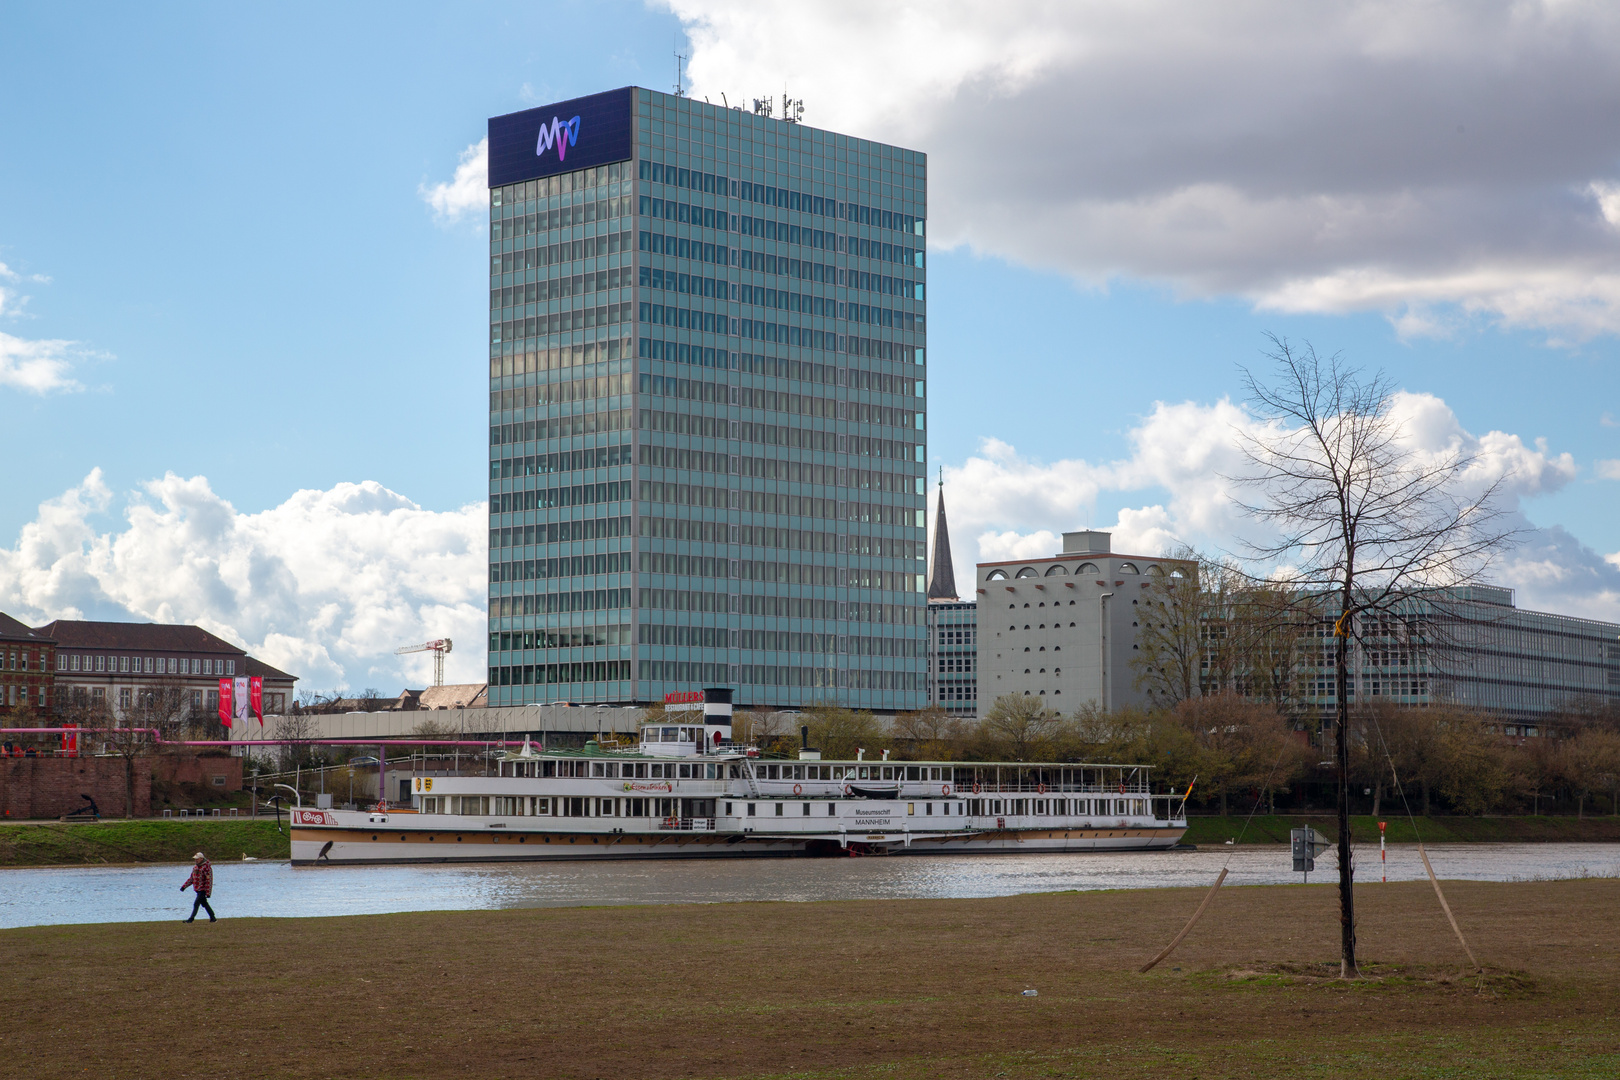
(325, 585)
(37, 366)
(1438, 162)
(1178, 474)
(1609, 469)
(467, 192)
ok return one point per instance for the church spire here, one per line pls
(942, 575)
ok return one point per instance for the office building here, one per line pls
(1472, 647)
(707, 407)
(1064, 628)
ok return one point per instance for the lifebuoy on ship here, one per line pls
(944, 789)
(798, 789)
(1040, 789)
(1122, 787)
(977, 787)
(848, 791)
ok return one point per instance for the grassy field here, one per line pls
(864, 989)
(1273, 829)
(52, 844)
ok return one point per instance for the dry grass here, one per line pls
(890, 989)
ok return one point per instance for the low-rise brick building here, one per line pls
(76, 662)
(27, 668)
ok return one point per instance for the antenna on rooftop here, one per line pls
(680, 75)
(792, 108)
(764, 106)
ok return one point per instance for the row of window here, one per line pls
(786, 400)
(597, 457)
(781, 198)
(584, 181)
(557, 288)
(562, 216)
(589, 671)
(784, 607)
(780, 401)
(147, 665)
(576, 637)
(564, 567)
(713, 532)
(753, 330)
(768, 502)
(710, 322)
(554, 603)
(13, 695)
(830, 442)
(21, 659)
(653, 277)
(569, 251)
(559, 532)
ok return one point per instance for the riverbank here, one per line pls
(863, 989)
(169, 840)
(140, 841)
(1273, 829)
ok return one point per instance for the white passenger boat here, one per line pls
(687, 791)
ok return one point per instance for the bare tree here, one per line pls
(1368, 524)
(1022, 724)
(1168, 660)
(930, 734)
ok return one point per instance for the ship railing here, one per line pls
(1051, 789)
(687, 824)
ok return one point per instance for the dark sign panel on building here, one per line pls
(559, 138)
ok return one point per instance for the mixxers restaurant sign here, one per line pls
(577, 134)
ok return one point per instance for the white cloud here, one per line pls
(325, 586)
(467, 192)
(1441, 162)
(1609, 469)
(1005, 506)
(37, 366)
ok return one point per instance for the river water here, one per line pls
(32, 897)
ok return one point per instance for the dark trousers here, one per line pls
(201, 902)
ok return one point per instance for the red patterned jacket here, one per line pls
(201, 879)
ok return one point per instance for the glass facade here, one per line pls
(953, 656)
(708, 419)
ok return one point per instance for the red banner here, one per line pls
(256, 697)
(225, 702)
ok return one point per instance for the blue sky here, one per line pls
(220, 265)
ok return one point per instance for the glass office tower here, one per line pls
(707, 407)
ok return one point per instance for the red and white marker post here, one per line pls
(1382, 858)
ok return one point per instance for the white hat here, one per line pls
(199, 857)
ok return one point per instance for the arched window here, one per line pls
(1028, 571)
(1057, 570)
(1128, 568)
(1155, 571)
(1087, 568)
(996, 575)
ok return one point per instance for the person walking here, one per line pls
(201, 882)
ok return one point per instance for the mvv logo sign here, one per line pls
(559, 133)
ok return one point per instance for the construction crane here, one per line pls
(438, 649)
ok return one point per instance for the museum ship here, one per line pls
(688, 791)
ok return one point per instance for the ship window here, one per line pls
(778, 809)
(598, 769)
(670, 734)
(832, 809)
(888, 772)
(930, 811)
(750, 809)
(730, 809)
(911, 809)
(913, 773)
(806, 809)
(865, 773)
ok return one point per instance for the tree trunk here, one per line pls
(129, 786)
(1347, 898)
(1378, 796)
